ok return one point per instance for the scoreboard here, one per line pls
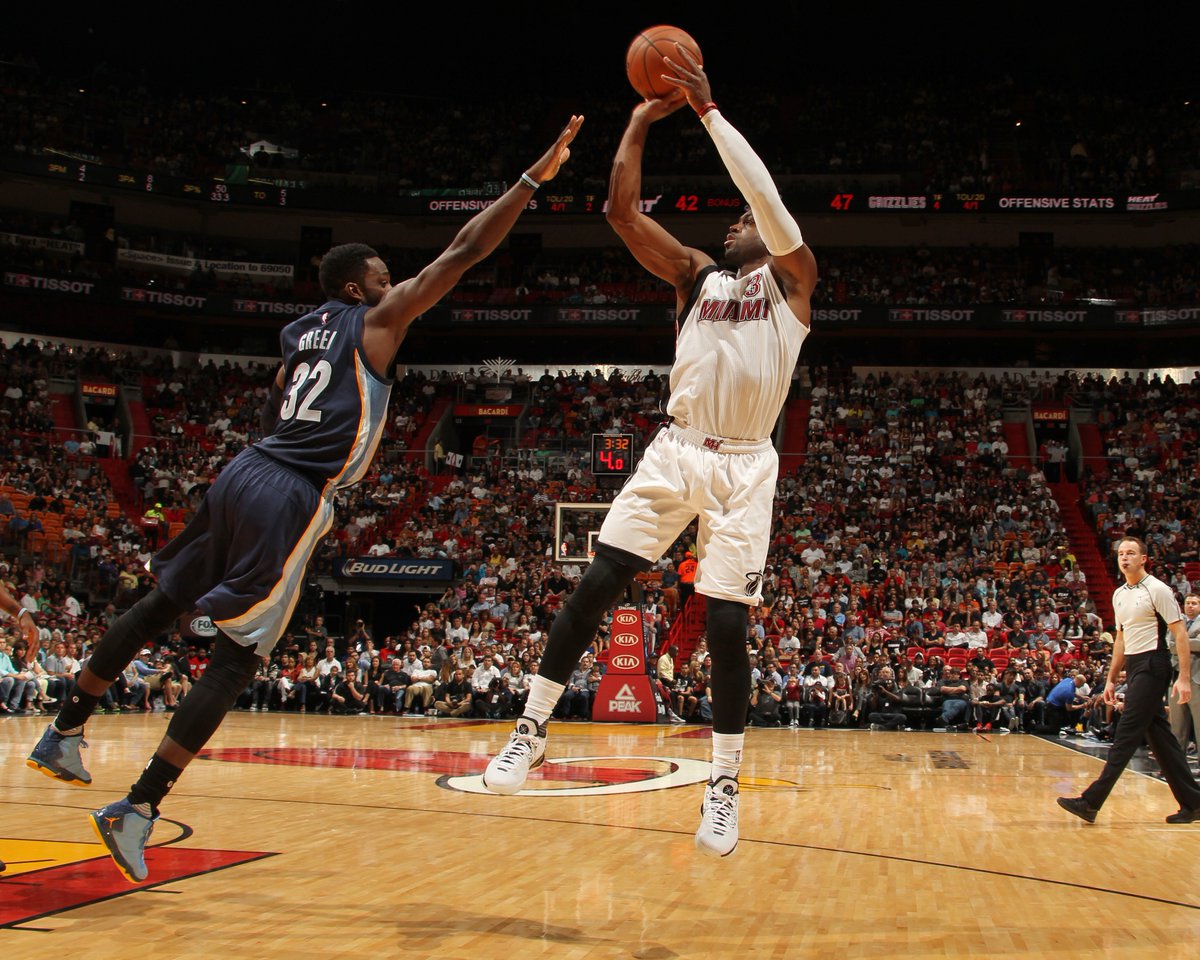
(612, 454)
(467, 200)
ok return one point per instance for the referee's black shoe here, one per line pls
(1184, 815)
(1080, 807)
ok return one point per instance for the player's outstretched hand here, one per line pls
(558, 154)
(689, 77)
(660, 107)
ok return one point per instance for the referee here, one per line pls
(1185, 717)
(1145, 610)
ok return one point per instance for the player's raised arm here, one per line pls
(654, 248)
(791, 260)
(478, 238)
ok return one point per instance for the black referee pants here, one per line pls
(1147, 678)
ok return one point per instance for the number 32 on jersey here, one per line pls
(311, 381)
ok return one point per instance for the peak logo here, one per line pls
(625, 701)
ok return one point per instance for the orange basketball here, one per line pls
(644, 60)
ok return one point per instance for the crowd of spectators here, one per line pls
(906, 548)
(849, 276)
(973, 134)
(1147, 485)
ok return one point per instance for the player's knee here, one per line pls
(602, 585)
(136, 628)
(232, 666)
(727, 623)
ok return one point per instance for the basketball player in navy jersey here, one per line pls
(241, 560)
(739, 338)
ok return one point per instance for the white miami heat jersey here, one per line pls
(737, 347)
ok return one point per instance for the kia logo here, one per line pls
(626, 661)
(626, 619)
(627, 639)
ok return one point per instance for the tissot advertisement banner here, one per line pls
(38, 284)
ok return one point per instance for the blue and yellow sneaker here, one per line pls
(58, 757)
(124, 831)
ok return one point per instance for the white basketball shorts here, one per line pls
(728, 485)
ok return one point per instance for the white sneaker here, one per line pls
(718, 832)
(525, 751)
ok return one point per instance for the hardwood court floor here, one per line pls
(331, 837)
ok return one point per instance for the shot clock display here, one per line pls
(612, 454)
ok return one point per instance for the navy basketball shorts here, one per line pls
(242, 558)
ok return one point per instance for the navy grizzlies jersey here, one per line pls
(334, 405)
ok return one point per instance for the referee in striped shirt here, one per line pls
(1145, 610)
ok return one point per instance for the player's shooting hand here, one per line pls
(689, 77)
(660, 107)
(547, 167)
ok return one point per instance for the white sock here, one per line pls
(543, 698)
(726, 754)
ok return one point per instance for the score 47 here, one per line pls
(841, 201)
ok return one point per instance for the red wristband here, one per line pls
(705, 108)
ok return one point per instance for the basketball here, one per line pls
(644, 60)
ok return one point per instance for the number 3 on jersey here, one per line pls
(319, 376)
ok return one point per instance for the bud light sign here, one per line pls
(394, 569)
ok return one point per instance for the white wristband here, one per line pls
(776, 226)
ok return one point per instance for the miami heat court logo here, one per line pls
(563, 777)
(603, 775)
(45, 877)
(560, 777)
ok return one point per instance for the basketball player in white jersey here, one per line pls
(739, 337)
